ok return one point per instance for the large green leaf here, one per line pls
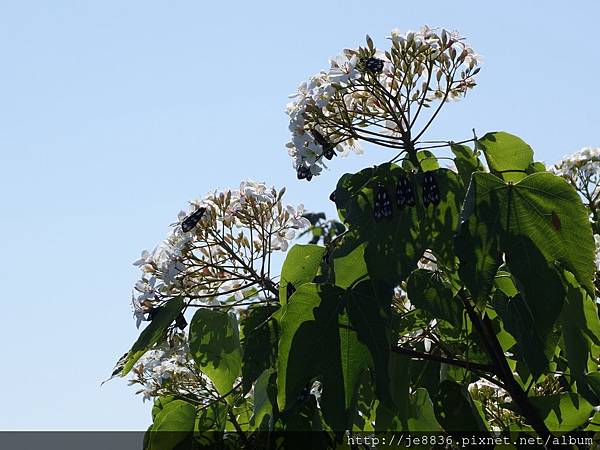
(260, 335)
(581, 335)
(263, 408)
(519, 321)
(421, 414)
(393, 245)
(349, 265)
(173, 427)
(562, 412)
(212, 419)
(426, 290)
(536, 223)
(477, 244)
(368, 309)
(215, 346)
(331, 334)
(394, 417)
(210, 425)
(311, 346)
(507, 155)
(160, 403)
(455, 409)
(466, 162)
(300, 266)
(151, 335)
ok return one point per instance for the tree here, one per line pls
(446, 299)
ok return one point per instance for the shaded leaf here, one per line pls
(466, 162)
(260, 335)
(152, 334)
(426, 290)
(215, 346)
(392, 247)
(562, 412)
(517, 220)
(519, 321)
(316, 341)
(455, 410)
(581, 335)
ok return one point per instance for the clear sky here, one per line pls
(114, 113)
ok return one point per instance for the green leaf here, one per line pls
(536, 223)
(210, 425)
(160, 403)
(394, 417)
(263, 408)
(421, 414)
(317, 341)
(581, 335)
(173, 427)
(349, 261)
(427, 160)
(507, 155)
(455, 409)
(594, 424)
(466, 162)
(504, 282)
(426, 290)
(536, 167)
(519, 321)
(393, 245)
(562, 412)
(259, 343)
(215, 346)
(212, 419)
(593, 382)
(300, 266)
(369, 315)
(152, 334)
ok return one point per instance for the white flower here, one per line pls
(224, 254)
(337, 107)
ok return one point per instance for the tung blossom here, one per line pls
(376, 96)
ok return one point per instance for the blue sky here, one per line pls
(113, 114)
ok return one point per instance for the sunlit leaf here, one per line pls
(507, 155)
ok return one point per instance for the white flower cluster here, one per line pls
(585, 162)
(582, 170)
(225, 255)
(367, 95)
(165, 369)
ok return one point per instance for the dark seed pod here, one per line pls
(304, 394)
(431, 190)
(289, 290)
(329, 152)
(332, 196)
(374, 65)
(303, 172)
(556, 221)
(383, 203)
(180, 321)
(328, 147)
(404, 193)
(192, 220)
